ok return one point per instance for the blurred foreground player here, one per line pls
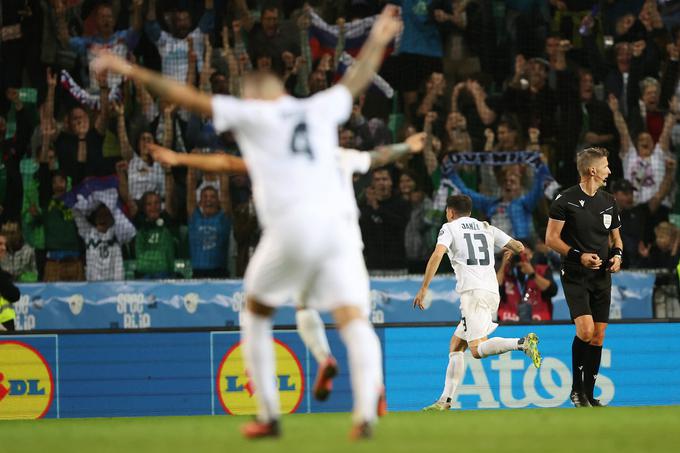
(309, 323)
(310, 326)
(584, 220)
(470, 245)
(290, 148)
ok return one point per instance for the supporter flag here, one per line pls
(86, 196)
(381, 84)
(323, 37)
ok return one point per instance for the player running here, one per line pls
(470, 245)
(289, 146)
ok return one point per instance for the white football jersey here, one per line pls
(350, 162)
(471, 245)
(290, 148)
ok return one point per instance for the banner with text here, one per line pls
(217, 303)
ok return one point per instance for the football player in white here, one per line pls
(470, 246)
(290, 148)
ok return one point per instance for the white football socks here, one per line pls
(313, 333)
(258, 352)
(497, 345)
(454, 374)
(365, 362)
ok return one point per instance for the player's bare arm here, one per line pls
(617, 249)
(359, 75)
(514, 246)
(391, 153)
(213, 162)
(554, 240)
(185, 96)
(430, 271)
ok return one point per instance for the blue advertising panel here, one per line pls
(201, 373)
(195, 303)
(639, 367)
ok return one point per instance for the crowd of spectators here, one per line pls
(82, 198)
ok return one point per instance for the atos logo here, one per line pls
(237, 391)
(26, 383)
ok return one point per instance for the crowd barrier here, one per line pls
(217, 303)
(66, 375)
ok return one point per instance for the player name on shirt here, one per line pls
(469, 226)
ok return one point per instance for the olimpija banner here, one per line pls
(213, 303)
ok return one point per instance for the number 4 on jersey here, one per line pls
(300, 141)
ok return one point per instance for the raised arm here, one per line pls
(214, 162)
(61, 25)
(391, 153)
(531, 199)
(151, 27)
(485, 113)
(207, 69)
(359, 75)
(225, 195)
(170, 206)
(340, 45)
(244, 14)
(137, 21)
(664, 188)
(185, 96)
(481, 202)
(168, 130)
(102, 119)
(669, 121)
(125, 147)
(429, 154)
(620, 124)
(430, 271)
(191, 62)
(191, 190)
(232, 63)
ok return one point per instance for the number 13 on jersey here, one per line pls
(477, 243)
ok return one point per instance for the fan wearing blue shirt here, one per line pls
(210, 226)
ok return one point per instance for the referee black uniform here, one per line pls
(588, 221)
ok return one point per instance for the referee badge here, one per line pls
(607, 220)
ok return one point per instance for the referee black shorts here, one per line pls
(588, 292)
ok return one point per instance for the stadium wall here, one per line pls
(65, 375)
(217, 303)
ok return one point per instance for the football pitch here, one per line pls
(602, 430)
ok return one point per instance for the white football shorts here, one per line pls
(313, 262)
(478, 309)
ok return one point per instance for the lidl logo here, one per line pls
(26, 383)
(237, 392)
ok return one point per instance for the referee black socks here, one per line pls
(592, 367)
(579, 352)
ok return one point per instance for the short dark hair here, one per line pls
(585, 158)
(460, 204)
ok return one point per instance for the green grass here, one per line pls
(602, 430)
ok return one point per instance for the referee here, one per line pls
(583, 221)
